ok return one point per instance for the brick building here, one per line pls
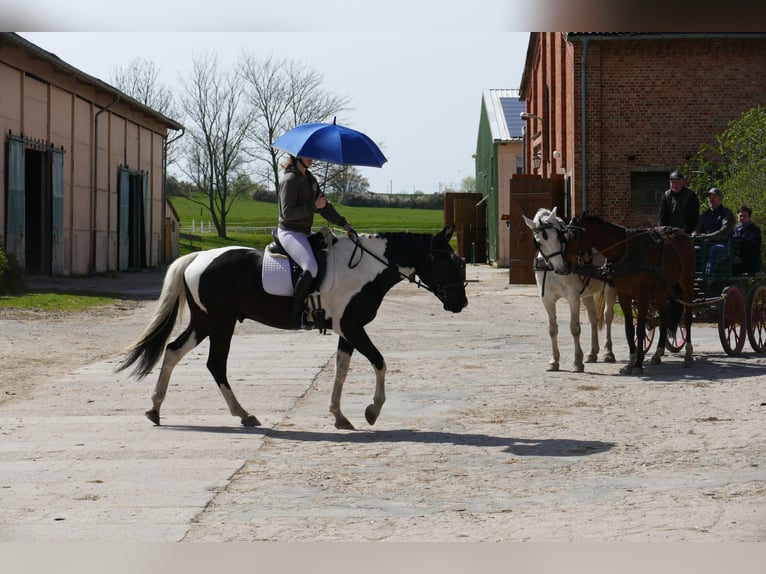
(649, 101)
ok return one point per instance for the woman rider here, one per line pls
(299, 197)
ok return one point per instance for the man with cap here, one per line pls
(679, 206)
(715, 224)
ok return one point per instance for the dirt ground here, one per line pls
(477, 442)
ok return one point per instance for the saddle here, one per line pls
(320, 243)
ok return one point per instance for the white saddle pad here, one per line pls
(276, 275)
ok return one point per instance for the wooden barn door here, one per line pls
(468, 214)
(528, 194)
(35, 205)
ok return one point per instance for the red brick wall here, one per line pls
(651, 104)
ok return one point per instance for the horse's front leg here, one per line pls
(553, 331)
(590, 307)
(356, 338)
(220, 343)
(342, 361)
(575, 329)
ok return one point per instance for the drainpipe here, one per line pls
(584, 126)
(165, 144)
(95, 182)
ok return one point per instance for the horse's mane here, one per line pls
(598, 219)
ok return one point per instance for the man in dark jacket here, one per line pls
(715, 226)
(679, 206)
(748, 237)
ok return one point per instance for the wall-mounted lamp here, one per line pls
(536, 161)
(526, 116)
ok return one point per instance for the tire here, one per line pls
(732, 320)
(650, 329)
(756, 319)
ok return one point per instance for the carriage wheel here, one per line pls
(756, 319)
(651, 324)
(732, 320)
(676, 340)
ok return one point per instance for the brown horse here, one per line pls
(646, 265)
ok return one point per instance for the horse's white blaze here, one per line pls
(194, 271)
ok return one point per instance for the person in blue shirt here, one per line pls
(748, 240)
(717, 223)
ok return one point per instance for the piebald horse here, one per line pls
(225, 285)
(555, 282)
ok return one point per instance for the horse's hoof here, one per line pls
(609, 358)
(552, 367)
(343, 423)
(578, 369)
(153, 416)
(631, 370)
(371, 414)
(251, 421)
(591, 359)
(655, 361)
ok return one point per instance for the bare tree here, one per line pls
(139, 79)
(219, 125)
(283, 94)
(343, 179)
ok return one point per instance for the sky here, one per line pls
(416, 94)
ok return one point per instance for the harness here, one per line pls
(543, 263)
(623, 266)
(440, 289)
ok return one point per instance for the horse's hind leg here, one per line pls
(610, 299)
(220, 343)
(174, 352)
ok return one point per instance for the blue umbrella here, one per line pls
(331, 143)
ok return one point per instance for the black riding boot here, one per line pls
(302, 288)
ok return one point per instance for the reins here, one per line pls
(359, 247)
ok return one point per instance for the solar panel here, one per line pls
(512, 107)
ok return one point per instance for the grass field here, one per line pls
(249, 222)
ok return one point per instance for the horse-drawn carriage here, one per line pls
(737, 303)
(654, 273)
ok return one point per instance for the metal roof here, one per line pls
(503, 109)
(59, 64)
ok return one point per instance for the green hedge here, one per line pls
(11, 276)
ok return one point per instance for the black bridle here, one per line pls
(542, 228)
(441, 287)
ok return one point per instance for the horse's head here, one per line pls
(444, 272)
(550, 235)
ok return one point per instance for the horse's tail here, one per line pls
(148, 348)
(600, 307)
(675, 307)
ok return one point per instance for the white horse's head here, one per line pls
(550, 236)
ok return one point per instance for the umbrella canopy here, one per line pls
(332, 143)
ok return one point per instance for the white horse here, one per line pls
(550, 236)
